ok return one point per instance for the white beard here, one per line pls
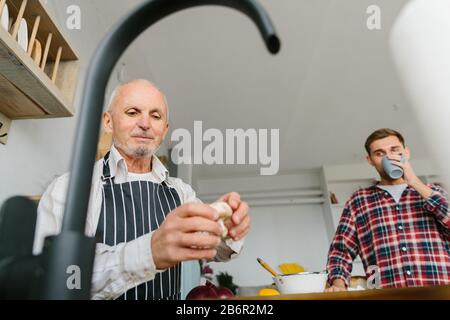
(139, 152)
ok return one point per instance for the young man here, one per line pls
(399, 226)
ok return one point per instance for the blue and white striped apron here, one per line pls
(131, 210)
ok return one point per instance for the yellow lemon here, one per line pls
(268, 292)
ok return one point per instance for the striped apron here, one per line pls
(133, 209)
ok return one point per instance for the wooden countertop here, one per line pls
(422, 293)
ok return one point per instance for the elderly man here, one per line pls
(145, 222)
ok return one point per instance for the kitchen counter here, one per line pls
(422, 293)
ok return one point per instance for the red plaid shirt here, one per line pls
(409, 242)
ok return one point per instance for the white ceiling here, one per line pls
(331, 85)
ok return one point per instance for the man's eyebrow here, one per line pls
(381, 150)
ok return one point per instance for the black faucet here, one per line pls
(46, 276)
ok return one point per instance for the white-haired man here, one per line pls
(145, 222)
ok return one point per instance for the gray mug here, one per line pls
(393, 171)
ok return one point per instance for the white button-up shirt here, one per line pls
(126, 265)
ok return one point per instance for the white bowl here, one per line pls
(304, 282)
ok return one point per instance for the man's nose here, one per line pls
(144, 123)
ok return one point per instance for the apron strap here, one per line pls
(164, 183)
(106, 177)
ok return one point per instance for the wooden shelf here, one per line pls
(41, 88)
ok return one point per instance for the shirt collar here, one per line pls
(376, 188)
(118, 166)
(403, 185)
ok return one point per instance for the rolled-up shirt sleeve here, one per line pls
(228, 249)
(50, 213)
(344, 248)
(120, 268)
(437, 204)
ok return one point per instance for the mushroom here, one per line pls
(225, 213)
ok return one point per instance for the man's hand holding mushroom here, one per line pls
(238, 224)
(193, 231)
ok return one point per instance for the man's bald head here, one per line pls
(123, 88)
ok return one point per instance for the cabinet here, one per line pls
(38, 76)
(344, 180)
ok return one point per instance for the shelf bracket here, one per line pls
(5, 125)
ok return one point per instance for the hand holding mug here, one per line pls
(392, 165)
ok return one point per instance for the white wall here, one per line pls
(280, 233)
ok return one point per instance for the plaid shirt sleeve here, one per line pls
(344, 248)
(437, 204)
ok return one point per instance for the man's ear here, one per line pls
(166, 129)
(107, 122)
(407, 153)
(369, 160)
